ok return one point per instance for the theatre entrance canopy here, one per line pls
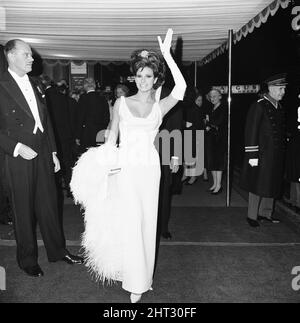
(109, 30)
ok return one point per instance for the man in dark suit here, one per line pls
(27, 142)
(263, 167)
(170, 153)
(5, 212)
(93, 116)
(58, 106)
(170, 179)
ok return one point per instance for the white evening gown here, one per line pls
(121, 209)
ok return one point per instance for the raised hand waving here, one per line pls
(166, 45)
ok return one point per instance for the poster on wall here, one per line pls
(78, 68)
(238, 89)
(78, 74)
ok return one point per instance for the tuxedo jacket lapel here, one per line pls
(16, 94)
(38, 101)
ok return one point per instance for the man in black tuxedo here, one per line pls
(58, 106)
(27, 142)
(170, 179)
(5, 212)
(171, 169)
(93, 116)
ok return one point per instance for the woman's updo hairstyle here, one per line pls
(142, 58)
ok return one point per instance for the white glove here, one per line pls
(180, 84)
(24, 151)
(166, 45)
(55, 162)
(174, 164)
(253, 162)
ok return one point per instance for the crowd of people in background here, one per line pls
(79, 115)
(60, 126)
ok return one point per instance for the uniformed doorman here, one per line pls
(263, 167)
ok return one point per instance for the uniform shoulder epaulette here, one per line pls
(261, 99)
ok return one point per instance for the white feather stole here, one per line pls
(97, 192)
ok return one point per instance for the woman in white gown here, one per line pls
(119, 187)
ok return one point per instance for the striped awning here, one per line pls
(109, 30)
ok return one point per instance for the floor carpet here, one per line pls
(214, 256)
(185, 274)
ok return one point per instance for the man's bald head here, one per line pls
(11, 45)
(19, 56)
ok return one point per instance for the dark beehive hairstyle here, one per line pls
(142, 58)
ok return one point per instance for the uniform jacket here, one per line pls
(264, 140)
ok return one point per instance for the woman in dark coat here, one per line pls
(216, 140)
(195, 117)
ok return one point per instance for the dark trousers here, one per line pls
(165, 196)
(5, 212)
(33, 199)
(66, 160)
(164, 206)
(258, 205)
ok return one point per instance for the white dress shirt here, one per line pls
(27, 90)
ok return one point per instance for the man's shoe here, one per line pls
(252, 223)
(34, 271)
(271, 219)
(72, 259)
(167, 235)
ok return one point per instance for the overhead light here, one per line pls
(32, 40)
(63, 55)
